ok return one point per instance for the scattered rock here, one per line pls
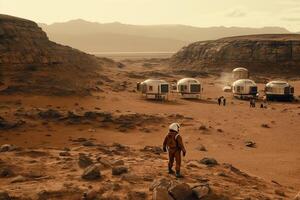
(18, 179)
(118, 170)
(6, 172)
(181, 191)
(209, 161)
(64, 153)
(50, 114)
(66, 149)
(91, 173)
(104, 162)
(5, 125)
(280, 192)
(250, 144)
(203, 128)
(35, 174)
(201, 147)
(7, 147)
(84, 161)
(265, 126)
(153, 149)
(88, 144)
(80, 140)
(131, 178)
(220, 130)
(118, 163)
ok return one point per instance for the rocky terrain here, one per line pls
(268, 54)
(107, 145)
(113, 172)
(30, 63)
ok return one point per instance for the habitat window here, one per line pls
(150, 88)
(287, 90)
(195, 88)
(253, 90)
(164, 88)
(182, 88)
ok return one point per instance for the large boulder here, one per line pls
(166, 189)
(118, 170)
(84, 160)
(91, 173)
(181, 191)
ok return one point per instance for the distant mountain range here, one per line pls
(118, 37)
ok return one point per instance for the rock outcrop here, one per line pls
(31, 63)
(275, 54)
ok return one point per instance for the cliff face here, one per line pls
(29, 62)
(259, 53)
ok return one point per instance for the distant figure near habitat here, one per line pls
(252, 103)
(224, 101)
(219, 101)
(174, 145)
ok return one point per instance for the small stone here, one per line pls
(64, 153)
(280, 192)
(201, 147)
(118, 170)
(104, 162)
(88, 144)
(209, 162)
(118, 163)
(5, 172)
(91, 173)
(265, 126)
(153, 149)
(84, 161)
(250, 144)
(7, 147)
(66, 149)
(18, 179)
(203, 128)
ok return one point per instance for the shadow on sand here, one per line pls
(204, 101)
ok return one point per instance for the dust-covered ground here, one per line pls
(57, 145)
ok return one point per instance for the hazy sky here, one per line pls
(252, 13)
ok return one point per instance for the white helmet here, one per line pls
(174, 127)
